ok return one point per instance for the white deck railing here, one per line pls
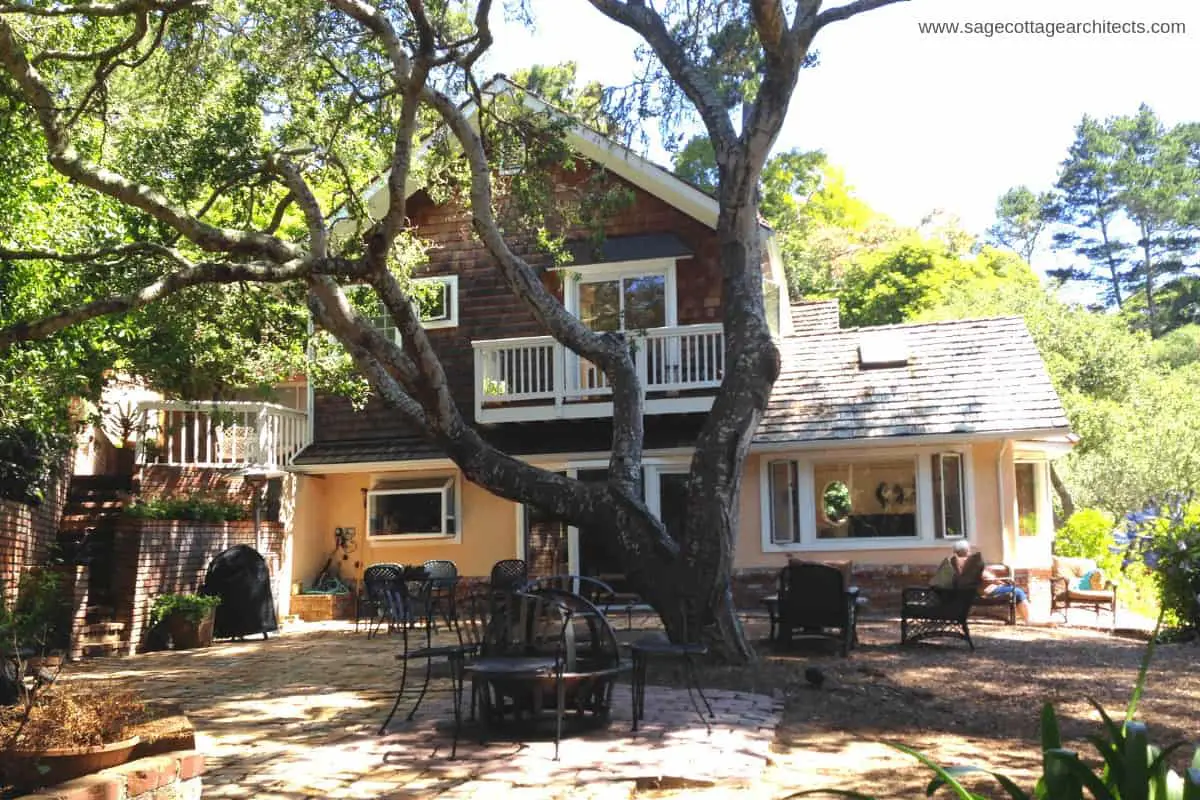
(220, 434)
(538, 378)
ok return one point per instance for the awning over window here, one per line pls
(628, 248)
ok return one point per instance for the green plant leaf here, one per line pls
(1066, 776)
(1136, 785)
(1009, 785)
(1140, 685)
(1051, 737)
(947, 778)
(1191, 781)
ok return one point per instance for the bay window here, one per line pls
(887, 500)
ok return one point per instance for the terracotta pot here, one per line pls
(29, 769)
(186, 634)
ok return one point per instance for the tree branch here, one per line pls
(646, 22)
(318, 233)
(67, 161)
(194, 275)
(849, 10)
(95, 9)
(120, 251)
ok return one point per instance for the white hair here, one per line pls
(962, 547)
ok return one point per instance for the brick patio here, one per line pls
(296, 717)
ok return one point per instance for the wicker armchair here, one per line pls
(1006, 603)
(1066, 593)
(931, 612)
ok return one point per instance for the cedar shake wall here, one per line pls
(487, 308)
(172, 556)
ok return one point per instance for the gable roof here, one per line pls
(587, 142)
(982, 376)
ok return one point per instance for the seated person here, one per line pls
(993, 585)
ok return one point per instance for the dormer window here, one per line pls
(882, 349)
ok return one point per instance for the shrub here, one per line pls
(1087, 534)
(192, 606)
(1166, 538)
(196, 508)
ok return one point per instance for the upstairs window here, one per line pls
(436, 300)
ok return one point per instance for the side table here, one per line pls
(658, 647)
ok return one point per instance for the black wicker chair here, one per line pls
(508, 576)
(929, 612)
(443, 584)
(814, 600)
(382, 588)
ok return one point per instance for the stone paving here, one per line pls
(296, 716)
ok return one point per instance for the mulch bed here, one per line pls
(959, 707)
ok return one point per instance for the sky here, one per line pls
(921, 121)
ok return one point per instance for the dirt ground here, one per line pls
(959, 707)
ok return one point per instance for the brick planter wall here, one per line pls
(26, 533)
(173, 775)
(322, 607)
(882, 584)
(155, 557)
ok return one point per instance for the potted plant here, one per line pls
(55, 733)
(187, 618)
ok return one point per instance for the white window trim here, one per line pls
(452, 481)
(809, 542)
(962, 463)
(596, 273)
(451, 320)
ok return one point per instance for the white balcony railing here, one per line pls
(220, 434)
(537, 378)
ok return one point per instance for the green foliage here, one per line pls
(1169, 545)
(194, 607)
(1021, 218)
(1177, 349)
(1087, 534)
(40, 620)
(195, 508)
(1127, 175)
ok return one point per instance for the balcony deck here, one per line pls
(537, 378)
(235, 435)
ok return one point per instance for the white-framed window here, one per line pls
(913, 498)
(627, 296)
(436, 299)
(416, 508)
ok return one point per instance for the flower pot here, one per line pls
(29, 769)
(187, 634)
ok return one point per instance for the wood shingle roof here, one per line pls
(963, 377)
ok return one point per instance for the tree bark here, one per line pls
(1064, 494)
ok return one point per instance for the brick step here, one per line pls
(94, 639)
(102, 629)
(84, 483)
(101, 613)
(98, 650)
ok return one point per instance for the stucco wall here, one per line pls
(488, 527)
(987, 536)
